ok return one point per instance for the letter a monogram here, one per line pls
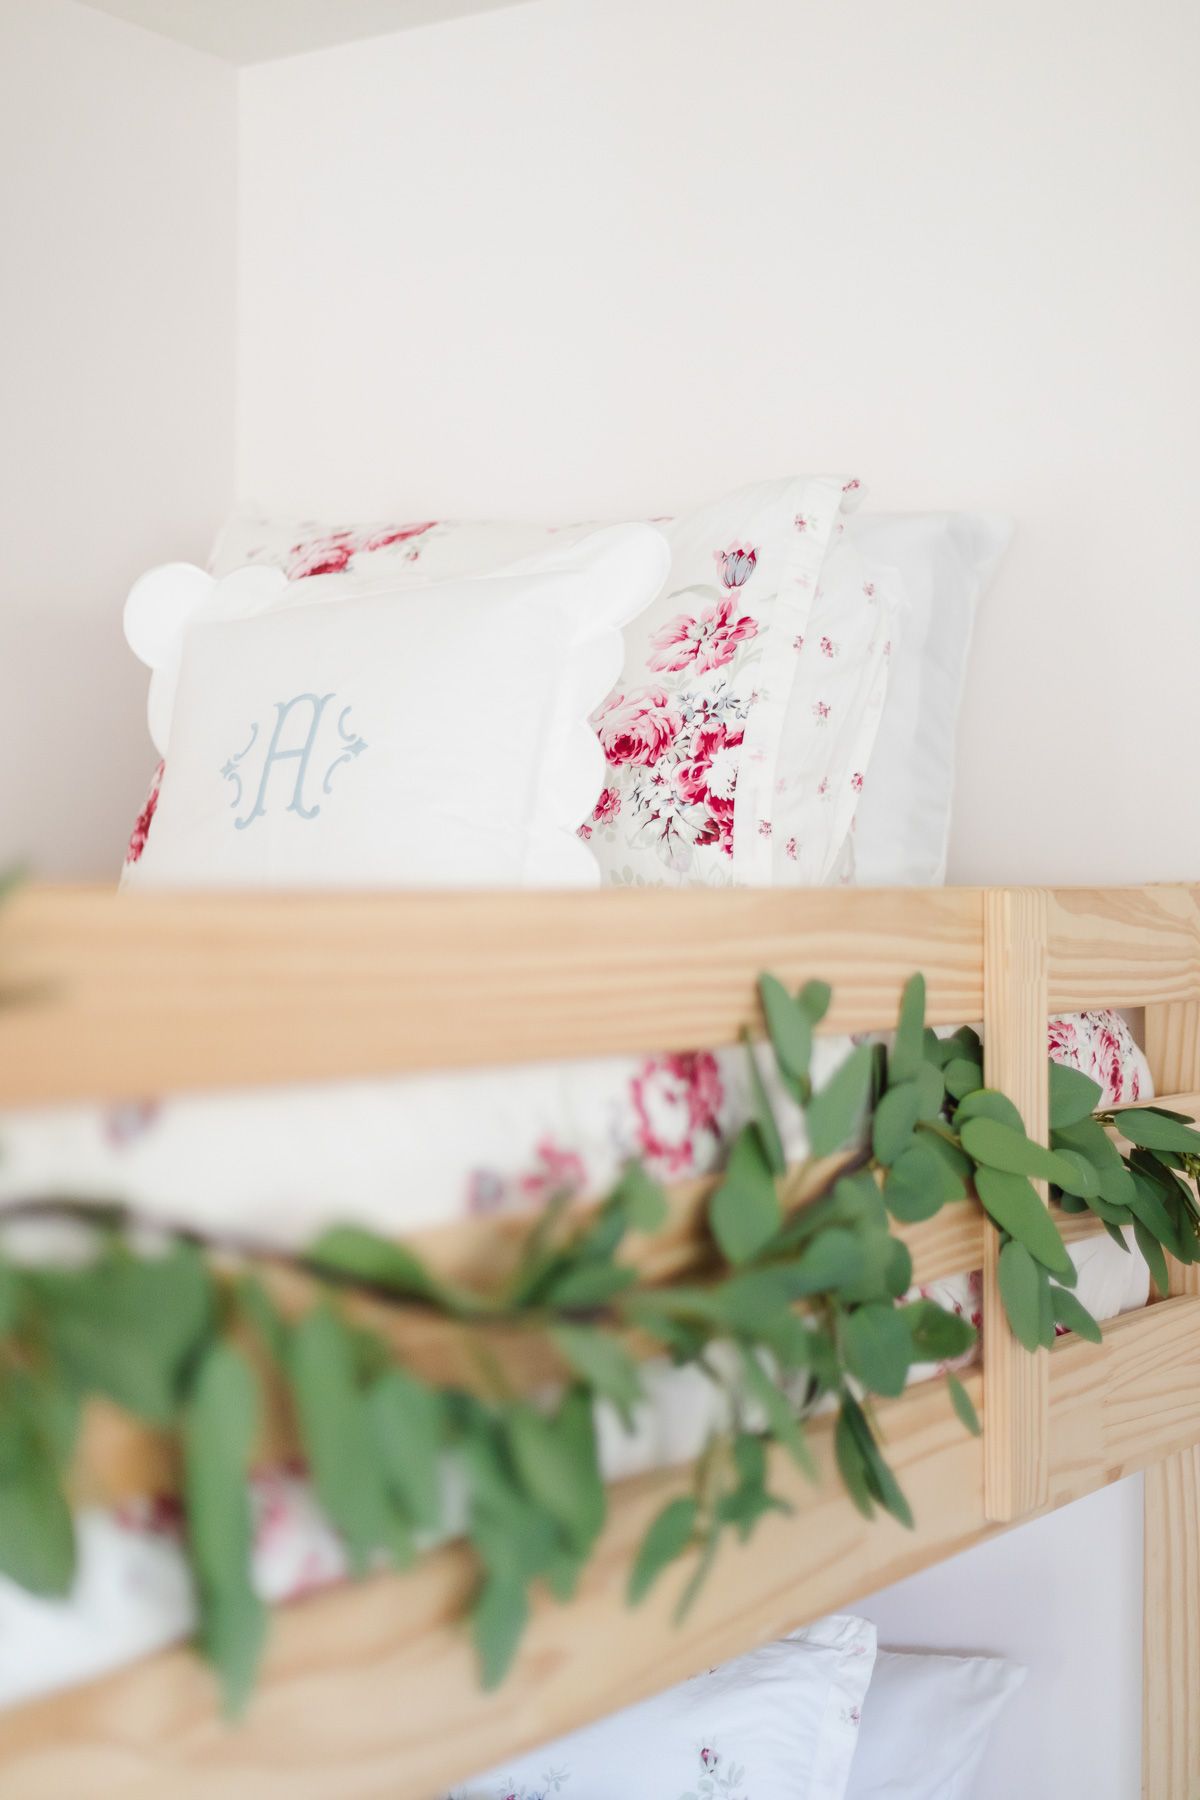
(299, 753)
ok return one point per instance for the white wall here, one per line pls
(604, 256)
(1062, 1597)
(608, 255)
(117, 293)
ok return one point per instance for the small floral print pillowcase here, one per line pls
(780, 1722)
(738, 736)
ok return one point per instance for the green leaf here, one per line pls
(963, 1405)
(968, 1044)
(11, 1292)
(907, 1052)
(555, 1458)
(1016, 1208)
(833, 1114)
(895, 1121)
(1146, 1206)
(335, 1428)
(931, 1090)
(1152, 1251)
(1045, 1310)
(669, 1535)
(1070, 1311)
(1020, 1290)
(938, 1335)
(833, 1261)
(852, 1465)
(265, 1318)
(878, 1346)
(789, 1026)
(220, 1428)
(955, 1159)
(640, 1199)
(962, 1078)
(1073, 1096)
(1001, 1147)
(920, 1183)
(988, 1103)
(586, 1286)
(881, 1483)
(406, 1421)
(781, 1421)
(857, 1202)
(130, 1327)
(37, 1534)
(1154, 1130)
(1087, 1179)
(815, 998)
(602, 1362)
(744, 1213)
(498, 1621)
(764, 1114)
(383, 1263)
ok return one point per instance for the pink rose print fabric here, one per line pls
(716, 727)
(144, 820)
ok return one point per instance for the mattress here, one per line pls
(275, 1167)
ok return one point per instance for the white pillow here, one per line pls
(337, 734)
(742, 725)
(944, 562)
(778, 1724)
(925, 1725)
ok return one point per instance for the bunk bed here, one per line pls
(371, 1688)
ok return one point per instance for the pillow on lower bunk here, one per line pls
(925, 1725)
(739, 733)
(335, 736)
(780, 1722)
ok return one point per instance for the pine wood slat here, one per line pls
(121, 1459)
(1171, 1504)
(131, 995)
(1014, 1036)
(370, 1690)
(1125, 947)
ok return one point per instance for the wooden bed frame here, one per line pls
(370, 1689)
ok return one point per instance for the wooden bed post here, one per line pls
(1171, 1511)
(1015, 1384)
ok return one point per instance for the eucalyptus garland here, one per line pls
(799, 1307)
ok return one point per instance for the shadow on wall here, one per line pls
(74, 750)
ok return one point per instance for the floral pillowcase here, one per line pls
(738, 736)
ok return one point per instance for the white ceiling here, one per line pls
(247, 31)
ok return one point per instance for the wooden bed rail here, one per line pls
(111, 997)
(371, 1690)
(133, 995)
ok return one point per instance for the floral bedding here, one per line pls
(278, 1165)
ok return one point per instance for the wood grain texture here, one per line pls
(120, 1459)
(1123, 947)
(1014, 1036)
(1171, 1629)
(1171, 1503)
(133, 995)
(370, 1691)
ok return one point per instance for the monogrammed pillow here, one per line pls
(334, 735)
(739, 733)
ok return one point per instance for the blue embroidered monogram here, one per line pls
(298, 746)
